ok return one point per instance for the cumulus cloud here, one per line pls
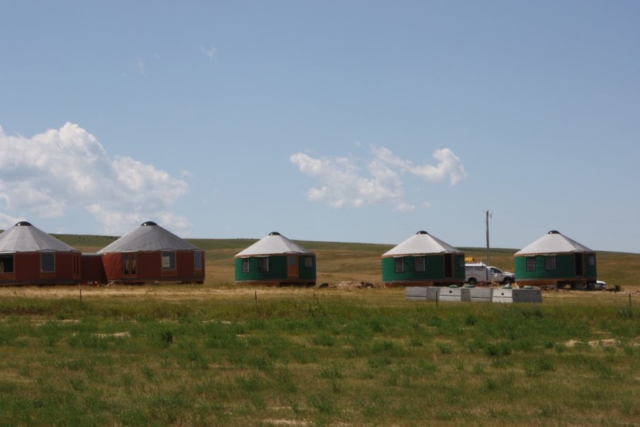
(449, 165)
(210, 53)
(67, 168)
(343, 182)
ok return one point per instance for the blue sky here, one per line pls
(361, 121)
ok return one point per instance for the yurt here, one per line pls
(423, 260)
(151, 253)
(275, 260)
(29, 256)
(555, 259)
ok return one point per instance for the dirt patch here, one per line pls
(286, 422)
(356, 285)
(117, 334)
(610, 342)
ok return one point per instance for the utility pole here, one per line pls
(488, 247)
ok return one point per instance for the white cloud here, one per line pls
(448, 165)
(425, 205)
(210, 53)
(67, 168)
(7, 221)
(140, 66)
(343, 182)
(186, 174)
(404, 207)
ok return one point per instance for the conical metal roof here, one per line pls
(149, 237)
(24, 237)
(273, 244)
(553, 243)
(419, 244)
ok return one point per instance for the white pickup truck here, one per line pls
(481, 273)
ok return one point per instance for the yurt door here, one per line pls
(130, 265)
(292, 267)
(579, 264)
(448, 265)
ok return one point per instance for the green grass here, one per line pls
(193, 355)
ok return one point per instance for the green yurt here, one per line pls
(276, 260)
(555, 259)
(423, 260)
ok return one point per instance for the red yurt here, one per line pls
(29, 256)
(151, 253)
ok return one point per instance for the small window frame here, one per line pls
(591, 260)
(263, 264)
(246, 265)
(47, 262)
(197, 260)
(550, 263)
(398, 265)
(171, 257)
(308, 261)
(8, 262)
(530, 263)
(420, 264)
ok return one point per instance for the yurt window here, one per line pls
(550, 263)
(399, 265)
(197, 260)
(47, 262)
(6, 263)
(461, 262)
(592, 260)
(419, 263)
(308, 262)
(168, 260)
(246, 263)
(531, 263)
(130, 264)
(263, 265)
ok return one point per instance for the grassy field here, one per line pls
(220, 354)
(207, 355)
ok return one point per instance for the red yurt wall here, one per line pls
(93, 269)
(113, 266)
(149, 267)
(27, 267)
(65, 266)
(68, 268)
(184, 264)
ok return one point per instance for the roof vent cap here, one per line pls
(23, 224)
(554, 232)
(274, 233)
(422, 232)
(146, 223)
